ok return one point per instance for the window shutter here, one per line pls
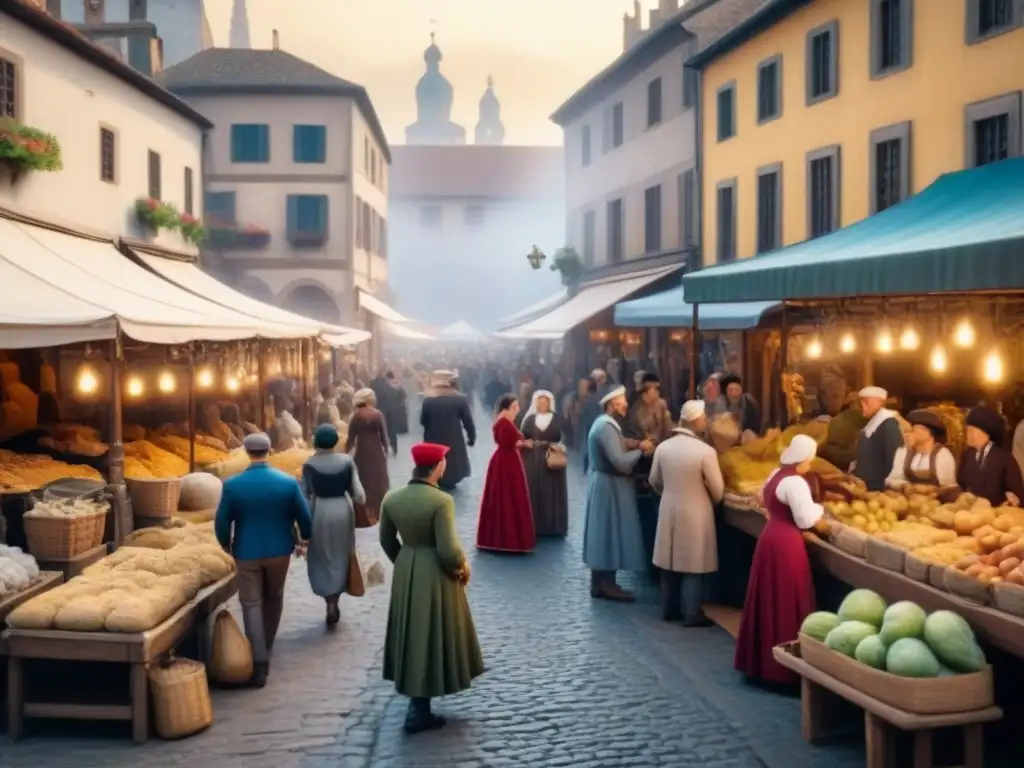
(263, 137)
(293, 213)
(322, 214)
(321, 146)
(297, 154)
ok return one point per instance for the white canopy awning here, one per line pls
(544, 305)
(148, 308)
(189, 276)
(372, 304)
(590, 300)
(459, 331)
(405, 332)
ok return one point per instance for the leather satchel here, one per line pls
(556, 459)
(355, 586)
(364, 517)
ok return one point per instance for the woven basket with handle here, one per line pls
(63, 538)
(181, 698)
(154, 497)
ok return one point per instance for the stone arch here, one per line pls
(255, 288)
(310, 299)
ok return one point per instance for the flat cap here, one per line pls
(258, 442)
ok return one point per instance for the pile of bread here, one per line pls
(30, 472)
(136, 588)
(289, 461)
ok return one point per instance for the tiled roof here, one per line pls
(478, 171)
(251, 71)
(66, 36)
(756, 17)
(720, 18)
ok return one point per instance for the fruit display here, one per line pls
(901, 639)
(132, 590)
(17, 570)
(207, 451)
(746, 468)
(144, 460)
(20, 473)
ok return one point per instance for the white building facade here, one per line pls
(121, 136)
(296, 179)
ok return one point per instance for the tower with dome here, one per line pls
(489, 129)
(434, 95)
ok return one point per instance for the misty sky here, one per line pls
(539, 51)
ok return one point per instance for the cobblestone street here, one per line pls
(570, 682)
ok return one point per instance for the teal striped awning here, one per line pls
(668, 310)
(965, 232)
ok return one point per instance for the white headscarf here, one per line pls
(364, 396)
(542, 420)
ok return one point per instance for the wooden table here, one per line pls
(817, 686)
(998, 629)
(139, 650)
(75, 565)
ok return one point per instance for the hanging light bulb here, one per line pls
(910, 339)
(205, 378)
(135, 387)
(166, 382)
(938, 361)
(253, 378)
(87, 382)
(231, 384)
(848, 344)
(993, 369)
(813, 349)
(963, 334)
(883, 343)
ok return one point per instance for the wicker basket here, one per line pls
(922, 696)
(64, 538)
(851, 541)
(885, 555)
(1009, 598)
(916, 568)
(154, 498)
(181, 698)
(969, 588)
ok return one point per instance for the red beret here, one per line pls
(428, 454)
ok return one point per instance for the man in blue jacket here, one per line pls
(255, 522)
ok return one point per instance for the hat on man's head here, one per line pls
(931, 421)
(611, 395)
(428, 454)
(988, 420)
(877, 393)
(650, 378)
(258, 442)
(692, 410)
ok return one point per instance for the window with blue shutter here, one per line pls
(219, 209)
(250, 143)
(309, 144)
(307, 220)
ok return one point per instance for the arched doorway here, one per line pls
(311, 300)
(255, 288)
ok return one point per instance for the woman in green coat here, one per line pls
(431, 647)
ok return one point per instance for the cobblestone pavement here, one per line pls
(570, 682)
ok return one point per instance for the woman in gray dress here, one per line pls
(331, 483)
(548, 492)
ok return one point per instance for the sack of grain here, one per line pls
(199, 491)
(231, 661)
(37, 613)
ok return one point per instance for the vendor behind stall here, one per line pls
(840, 447)
(878, 441)
(986, 469)
(925, 460)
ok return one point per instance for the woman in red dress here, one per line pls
(780, 593)
(506, 519)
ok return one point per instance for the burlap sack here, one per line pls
(231, 660)
(200, 491)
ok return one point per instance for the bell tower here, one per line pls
(489, 129)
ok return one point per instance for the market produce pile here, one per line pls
(165, 455)
(23, 472)
(134, 589)
(75, 438)
(746, 468)
(289, 461)
(900, 639)
(68, 508)
(18, 570)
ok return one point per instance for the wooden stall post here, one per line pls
(122, 523)
(694, 353)
(780, 402)
(261, 383)
(192, 407)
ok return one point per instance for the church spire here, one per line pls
(489, 129)
(239, 35)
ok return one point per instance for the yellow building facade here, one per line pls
(817, 114)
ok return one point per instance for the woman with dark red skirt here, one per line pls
(506, 518)
(780, 593)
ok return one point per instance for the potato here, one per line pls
(1003, 523)
(975, 569)
(989, 542)
(1009, 564)
(1012, 550)
(981, 531)
(968, 543)
(1015, 577)
(1006, 539)
(993, 558)
(966, 562)
(988, 573)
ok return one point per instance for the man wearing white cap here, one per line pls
(878, 441)
(612, 537)
(687, 475)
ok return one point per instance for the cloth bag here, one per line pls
(231, 661)
(556, 459)
(355, 587)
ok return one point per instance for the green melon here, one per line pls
(910, 657)
(819, 624)
(871, 651)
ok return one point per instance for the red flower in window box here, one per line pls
(23, 148)
(192, 229)
(156, 214)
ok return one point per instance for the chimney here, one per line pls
(276, 38)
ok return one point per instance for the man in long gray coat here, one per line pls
(444, 415)
(612, 537)
(686, 473)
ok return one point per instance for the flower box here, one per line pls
(230, 238)
(192, 229)
(23, 148)
(156, 214)
(301, 239)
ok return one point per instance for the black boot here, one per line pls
(259, 674)
(596, 579)
(419, 717)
